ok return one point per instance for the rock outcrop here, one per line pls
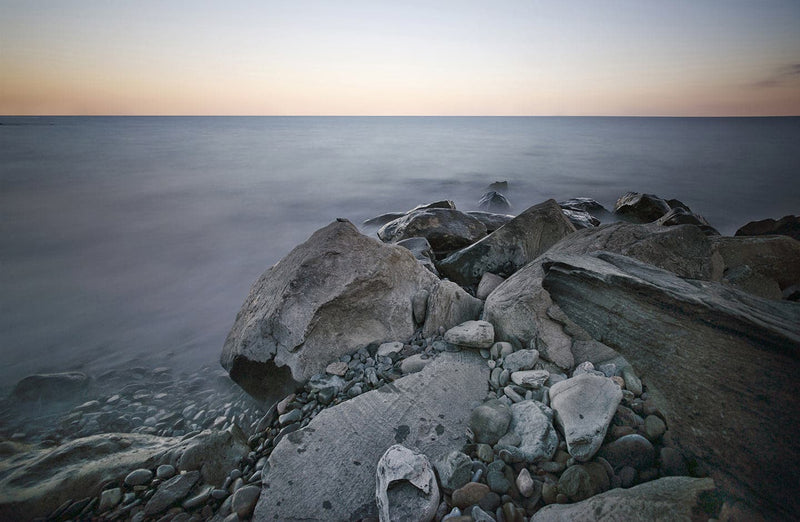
(785, 226)
(641, 208)
(494, 201)
(726, 362)
(331, 463)
(335, 293)
(510, 247)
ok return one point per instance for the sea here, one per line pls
(133, 241)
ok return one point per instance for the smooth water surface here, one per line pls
(133, 241)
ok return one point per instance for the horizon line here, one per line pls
(389, 116)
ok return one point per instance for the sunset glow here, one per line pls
(691, 58)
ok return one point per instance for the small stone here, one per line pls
(533, 379)
(283, 406)
(469, 494)
(244, 501)
(414, 364)
(672, 463)
(389, 349)
(219, 494)
(525, 483)
(479, 515)
(170, 492)
(654, 428)
(553, 467)
(484, 452)
(632, 382)
(454, 469)
(337, 368)
(497, 482)
(630, 450)
(138, 477)
(109, 499)
(619, 380)
(520, 360)
(471, 334)
(582, 481)
(326, 395)
(288, 418)
(490, 421)
(549, 493)
(627, 477)
(490, 502)
(165, 471)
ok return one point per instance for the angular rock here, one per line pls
(330, 464)
(491, 220)
(493, 201)
(744, 351)
(683, 216)
(532, 379)
(532, 422)
(785, 226)
(51, 387)
(584, 406)
(520, 360)
(449, 305)
(387, 349)
(171, 492)
(422, 251)
(641, 208)
(35, 483)
(379, 221)
(670, 498)
(581, 219)
(490, 421)
(488, 283)
(584, 205)
(472, 334)
(445, 229)
(337, 292)
(454, 469)
(510, 247)
(406, 486)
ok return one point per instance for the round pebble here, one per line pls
(138, 477)
(165, 471)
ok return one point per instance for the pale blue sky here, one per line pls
(370, 57)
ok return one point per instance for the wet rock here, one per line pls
(494, 201)
(743, 349)
(510, 247)
(581, 219)
(138, 477)
(491, 220)
(422, 251)
(673, 498)
(641, 208)
(532, 423)
(682, 216)
(584, 406)
(446, 230)
(406, 486)
(338, 277)
(428, 410)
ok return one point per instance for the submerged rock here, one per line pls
(51, 387)
(337, 292)
(494, 201)
(742, 351)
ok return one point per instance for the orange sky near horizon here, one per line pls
(379, 58)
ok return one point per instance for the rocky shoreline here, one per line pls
(375, 389)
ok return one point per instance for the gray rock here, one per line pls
(170, 492)
(51, 387)
(387, 349)
(449, 305)
(641, 208)
(472, 334)
(422, 251)
(414, 494)
(454, 469)
(491, 220)
(672, 498)
(533, 379)
(337, 292)
(414, 363)
(490, 421)
(631, 450)
(165, 471)
(767, 260)
(654, 427)
(379, 221)
(532, 422)
(786, 226)
(332, 461)
(109, 499)
(580, 219)
(632, 381)
(520, 360)
(488, 283)
(584, 406)
(479, 515)
(497, 482)
(582, 481)
(525, 483)
(743, 349)
(585, 205)
(138, 477)
(510, 247)
(493, 201)
(244, 501)
(445, 229)
(683, 216)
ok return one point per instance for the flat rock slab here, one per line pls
(666, 499)
(726, 362)
(331, 463)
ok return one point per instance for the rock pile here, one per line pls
(567, 371)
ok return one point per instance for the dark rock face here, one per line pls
(670, 498)
(682, 216)
(337, 292)
(510, 247)
(332, 461)
(51, 387)
(763, 266)
(641, 208)
(491, 220)
(785, 226)
(584, 205)
(422, 251)
(581, 219)
(493, 201)
(726, 362)
(445, 229)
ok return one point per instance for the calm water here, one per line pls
(135, 240)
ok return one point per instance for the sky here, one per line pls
(342, 57)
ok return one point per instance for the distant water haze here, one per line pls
(134, 241)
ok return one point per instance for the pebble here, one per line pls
(165, 471)
(654, 427)
(138, 477)
(469, 494)
(496, 480)
(289, 418)
(244, 501)
(109, 499)
(632, 382)
(338, 368)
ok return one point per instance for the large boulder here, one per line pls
(445, 229)
(785, 226)
(666, 499)
(33, 484)
(337, 292)
(331, 463)
(726, 362)
(641, 208)
(510, 247)
(524, 315)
